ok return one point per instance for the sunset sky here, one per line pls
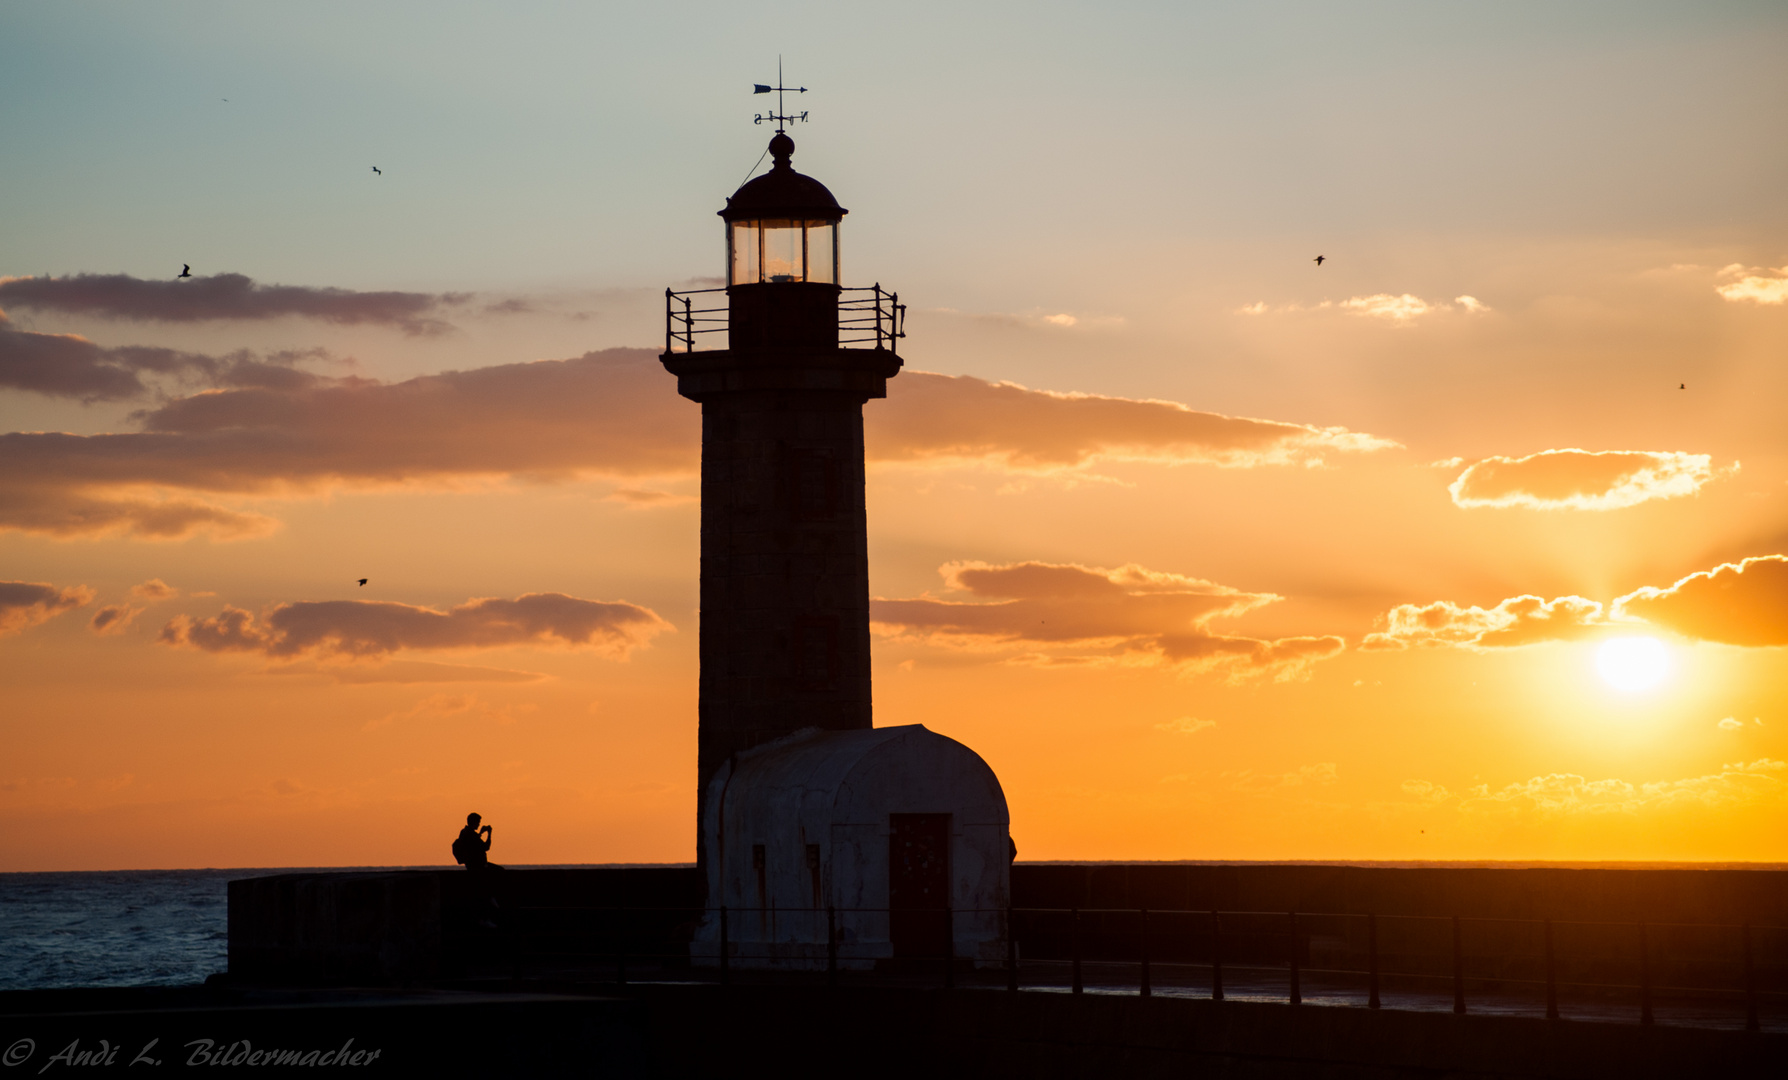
(1469, 543)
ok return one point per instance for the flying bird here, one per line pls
(362, 581)
(376, 169)
(1319, 259)
(1683, 386)
(186, 270)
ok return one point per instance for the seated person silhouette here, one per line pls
(473, 844)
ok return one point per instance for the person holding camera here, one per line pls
(473, 845)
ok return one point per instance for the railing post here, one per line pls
(1074, 936)
(1143, 940)
(831, 946)
(1751, 1023)
(1551, 976)
(1645, 1017)
(1297, 993)
(667, 321)
(1458, 970)
(688, 327)
(1372, 962)
(725, 970)
(1216, 957)
(949, 947)
(1011, 952)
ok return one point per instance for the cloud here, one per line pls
(1581, 479)
(1758, 286)
(225, 296)
(1129, 615)
(1567, 794)
(931, 416)
(611, 414)
(1397, 309)
(1743, 603)
(1186, 725)
(68, 365)
(24, 604)
(1729, 724)
(356, 629)
(113, 618)
(1426, 791)
(1400, 310)
(154, 589)
(1520, 620)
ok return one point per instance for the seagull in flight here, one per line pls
(376, 169)
(362, 581)
(1684, 386)
(186, 270)
(1320, 258)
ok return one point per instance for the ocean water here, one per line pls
(123, 928)
(120, 927)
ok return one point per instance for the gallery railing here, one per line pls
(869, 316)
(1716, 972)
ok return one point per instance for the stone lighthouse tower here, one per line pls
(823, 839)
(785, 569)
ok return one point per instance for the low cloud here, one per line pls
(226, 297)
(1398, 309)
(154, 589)
(116, 618)
(1730, 724)
(1130, 615)
(1520, 620)
(354, 629)
(1581, 479)
(1186, 725)
(1569, 795)
(70, 366)
(612, 415)
(934, 417)
(1763, 286)
(24, 604)
(113, 618)
(1743, 603)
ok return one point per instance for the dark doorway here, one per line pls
(919, 884)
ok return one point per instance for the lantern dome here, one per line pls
(782, 192)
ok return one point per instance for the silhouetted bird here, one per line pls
(185, 270)
(376, 169)
(1684, 386)
(1319, 259)
(362, 581)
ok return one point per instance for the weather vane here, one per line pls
(780, 116)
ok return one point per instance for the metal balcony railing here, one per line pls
(1716, 975)
(874, 319)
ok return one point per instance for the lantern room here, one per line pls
(782, 278)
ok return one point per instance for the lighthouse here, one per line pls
(815, 828)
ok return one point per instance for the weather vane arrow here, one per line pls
(781, 116)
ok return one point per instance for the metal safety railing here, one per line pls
(876, 320)
(1421, 960)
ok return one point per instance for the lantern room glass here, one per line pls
(782, 249)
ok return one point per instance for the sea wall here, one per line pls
(402, 926)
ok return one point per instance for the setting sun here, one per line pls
(1633, 664)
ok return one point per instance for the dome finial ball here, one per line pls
(781, 149)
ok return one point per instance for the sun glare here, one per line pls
(1633, 663)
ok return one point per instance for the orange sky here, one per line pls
(1209, 551)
